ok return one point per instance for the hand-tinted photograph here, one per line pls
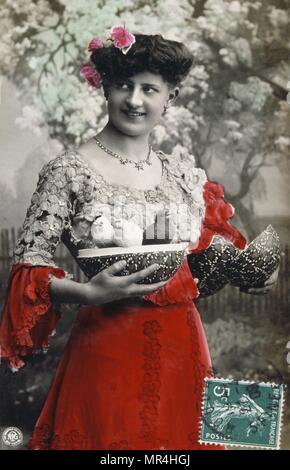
(145, 225)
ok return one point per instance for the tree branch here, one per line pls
(204, 146)
(245, 71)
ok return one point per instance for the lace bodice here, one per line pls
(75, 204)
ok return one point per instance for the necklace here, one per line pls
(139, 165)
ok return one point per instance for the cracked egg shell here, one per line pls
(257, 262)
(212, 265)
(169, 257)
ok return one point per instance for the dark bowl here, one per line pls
(212, 265)
(257, 262)
(168, 256)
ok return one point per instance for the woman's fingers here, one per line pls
(135, 277)
(273, 278)
(116, 267)
(266, 287)
(130, 282)
(257, 291)
(270, 282)
(143, 289)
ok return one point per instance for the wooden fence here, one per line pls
(227, 302)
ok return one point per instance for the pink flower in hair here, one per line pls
(122, 38)
(91, 75)
(95, 43)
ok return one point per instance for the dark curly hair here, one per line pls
(170, 59)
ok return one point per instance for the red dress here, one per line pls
(132, 373)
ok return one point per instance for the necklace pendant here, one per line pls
(124, 161)
(139, 166)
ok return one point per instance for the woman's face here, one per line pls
(136, 104)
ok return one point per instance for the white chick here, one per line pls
(127, 233)
(102, 232)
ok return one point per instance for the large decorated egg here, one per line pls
(212, 265)
(257, 262)
(169, 257)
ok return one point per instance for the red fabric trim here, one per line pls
(216, 220)
(28, 316)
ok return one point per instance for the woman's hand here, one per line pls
(107, 287)
(268, 285)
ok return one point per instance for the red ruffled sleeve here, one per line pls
(182, 287)
(28, 317)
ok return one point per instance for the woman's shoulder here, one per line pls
(66, 163)
(182, 165)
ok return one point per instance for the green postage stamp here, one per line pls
(242, 413)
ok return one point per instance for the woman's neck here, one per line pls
(133, 147)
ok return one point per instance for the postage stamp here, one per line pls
(242, 413)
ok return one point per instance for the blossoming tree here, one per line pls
(232, 108)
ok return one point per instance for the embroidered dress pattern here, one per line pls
(150, 395)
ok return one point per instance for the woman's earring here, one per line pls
(164, 110)
(106, 94)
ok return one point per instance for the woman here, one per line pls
(131, 376)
